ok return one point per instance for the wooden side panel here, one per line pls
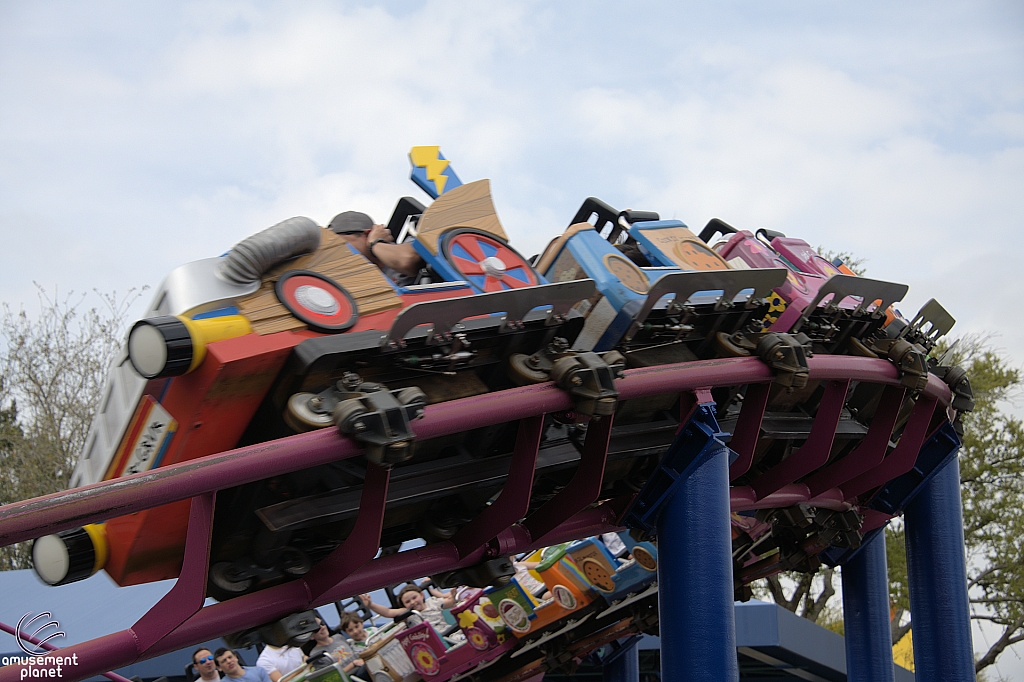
(685, 249)
(466, 206)
(555, 246)
(367, 284)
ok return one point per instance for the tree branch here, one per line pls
(814, 607)
(778, 594)
(981, 576)
(1005, 640)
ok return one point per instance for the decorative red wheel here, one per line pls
(424, 659)
(487, 262)
(317, 300)
(477, 639)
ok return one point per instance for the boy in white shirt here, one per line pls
(352, 626)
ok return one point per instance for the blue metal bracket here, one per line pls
(697, 442)
(938, 451)
(838, 556)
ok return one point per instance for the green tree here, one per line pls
(991, 468)
(992, 487)
(849, 260)
(899, 587)
(808, 595)
(52, 371)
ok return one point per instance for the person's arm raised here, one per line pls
(379, 609)
(400, 257)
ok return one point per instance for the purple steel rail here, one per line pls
(815, 450)
(871, 450)
(189, 591)
(514, 500)
(584, 488)
(902, 458)
(361, 544)
(748, 428)
(179, 620)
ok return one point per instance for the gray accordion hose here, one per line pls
(254, 255)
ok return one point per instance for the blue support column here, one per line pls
(866, 614)
(625, 667)
(938, 580)
(695, 595)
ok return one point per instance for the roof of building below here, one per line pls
(775, 644)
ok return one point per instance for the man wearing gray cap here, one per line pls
(399, 262)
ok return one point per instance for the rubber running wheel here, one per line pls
(301, 417)
(223, 576)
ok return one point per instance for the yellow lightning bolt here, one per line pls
(429, 158)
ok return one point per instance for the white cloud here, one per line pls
(136, 138)
(247, 114)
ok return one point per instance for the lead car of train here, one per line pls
(293, 330)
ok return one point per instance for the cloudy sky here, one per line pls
(136, 137)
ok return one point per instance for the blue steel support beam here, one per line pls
(625, 667)
(938, 580)
(695, 594)
(866, 614)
